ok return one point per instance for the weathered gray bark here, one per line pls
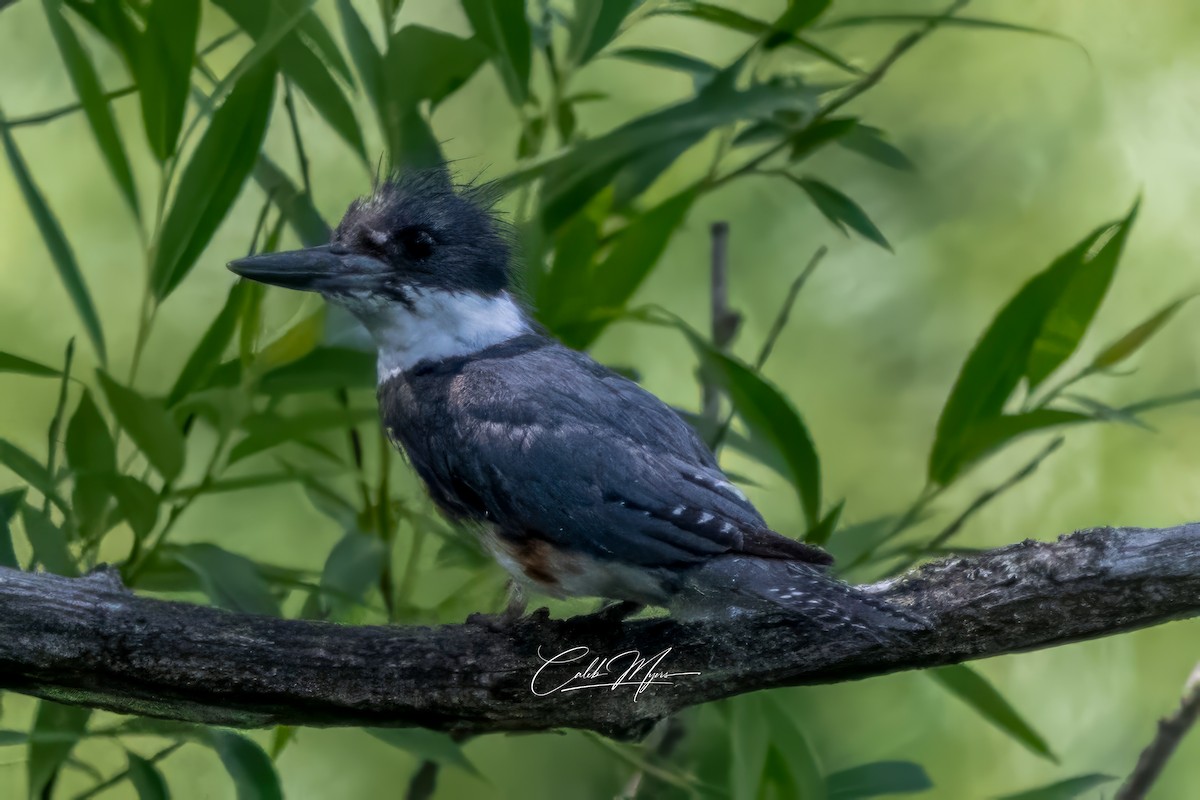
(89, 641)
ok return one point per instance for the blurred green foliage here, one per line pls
(226, 115)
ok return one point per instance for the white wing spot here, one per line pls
(675, 512)
(705, 517)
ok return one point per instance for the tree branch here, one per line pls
(1171, 731)
(90, 641)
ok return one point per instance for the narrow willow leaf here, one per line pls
(149, 425)
(813, 137)
(594, 25)
(165, 70)
(564, 294)
(147, 781)
(323, 369)
(768, 411)
(213, 177)
(266, 45)
(10, 503)
(230, 580)
(841, 210)
(248, 765)
(878, 779)
(999, 360)
(571, 180)
(987, 436)
(12, 363)
(504, 28)
(137, 502)
(28, 469)
(1067, 789)
(352, 569)
(977, 692)
(869, 141)
(46, 758)
(49, 542)
(1132, 341)
(271, 430)
(428, 745)
(368, 62)
(772, 35)
(89, 446)
(941, 20)
(56, 243)
(667, 59)
(204, 360)
(749, 742)
(1069, 319)
(295, 206)
(792, 764)
(95, 105)
(318, 38)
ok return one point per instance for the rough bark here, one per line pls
(90, 641)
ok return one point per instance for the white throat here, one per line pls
(438, 325)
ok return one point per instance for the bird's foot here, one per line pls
(513, 612)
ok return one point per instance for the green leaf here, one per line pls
(1000, 358)
(943, 21)
(749, 742)
(353, 567)
(813, 137)
(49, 542)
(977, 692)
(1063, 790)
(213, 177)
(30, 470)
(841, 210)
(205, 358)
(792, 764)
(988, 436)
(270, 430)
(56, 243)
(564, 293)
(46, 758)
(503, 27)
(367, 60)
(878, 779)
(23, 366)
(248, 764)
(634, 253)
(773, 35)
(869, 141)
(295, 206)
(1065, 325)
(89, 446)
(572, 179)
(825, 528)
(668, 59)
(137, 501)
(95, 105)
(318, 38)
(766, 410)
(1132, 341)
(165, 70)
(444, 61)
(146, 779)
(428, 745)
(323, 369)
(594, 25)
(10, 503)
(230, 581)
(149, 425)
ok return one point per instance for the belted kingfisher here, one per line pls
(582, 482)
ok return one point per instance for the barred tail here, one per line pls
(732, 584)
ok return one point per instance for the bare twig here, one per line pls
(85, 641)
(1171, 731)
(62, 111)
(725, 321)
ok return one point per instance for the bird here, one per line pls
(580, 482)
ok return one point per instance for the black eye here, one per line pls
(416, 243)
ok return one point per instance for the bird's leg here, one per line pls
(514, 609)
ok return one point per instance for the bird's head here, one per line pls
(415, 231)
(422, 262)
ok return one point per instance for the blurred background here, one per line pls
(1022, 144)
